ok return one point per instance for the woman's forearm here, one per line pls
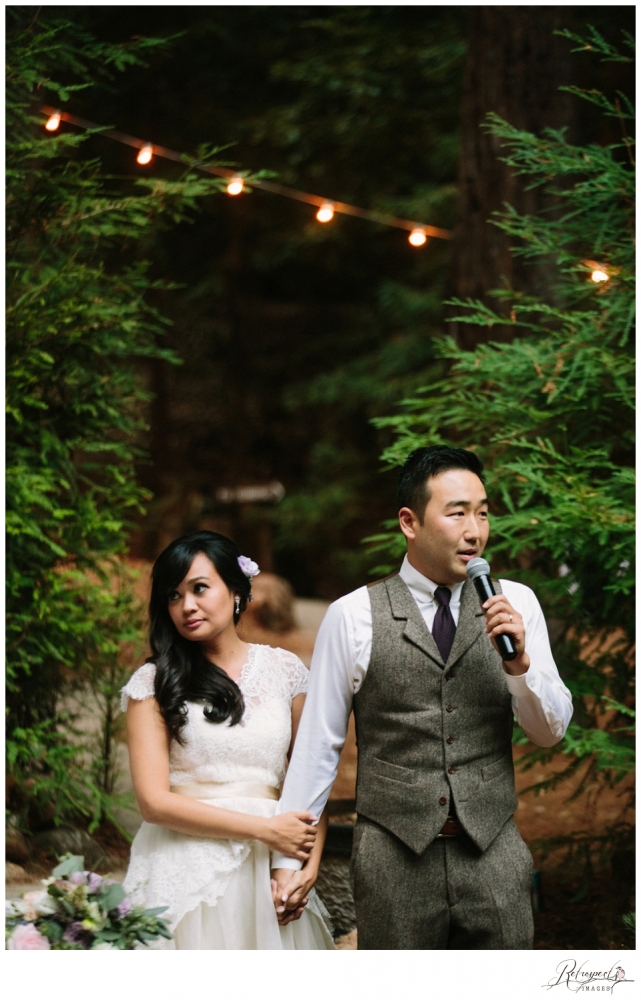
(186, 815)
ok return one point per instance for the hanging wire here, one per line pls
(419, 231)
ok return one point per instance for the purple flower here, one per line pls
(77, 934)
(78, 878)
(95, 881)
(124, 908)
(248, 566)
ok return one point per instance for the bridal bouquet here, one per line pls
(80, 911)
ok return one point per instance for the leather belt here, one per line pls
(226, 789)
(451, 828)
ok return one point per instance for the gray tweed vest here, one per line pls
(426, 730)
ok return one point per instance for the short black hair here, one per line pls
(424, 463)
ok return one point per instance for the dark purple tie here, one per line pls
(444, 627)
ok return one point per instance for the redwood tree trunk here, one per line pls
(515, 65)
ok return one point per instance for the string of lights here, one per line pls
(419, 232)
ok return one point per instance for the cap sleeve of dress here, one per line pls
(139, 686)
(297, 674)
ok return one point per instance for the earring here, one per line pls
(237, 602)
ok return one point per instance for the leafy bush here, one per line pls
(79, 331)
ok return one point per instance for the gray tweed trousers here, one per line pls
(453, 896)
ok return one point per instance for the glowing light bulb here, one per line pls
(53, 123)
(599, 275)
(235, 186)
(326, 212)
(417, 237)
(145, 155)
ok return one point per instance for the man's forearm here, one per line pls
(323, 725)
(297, 790)
(541, 702)
(542, 710)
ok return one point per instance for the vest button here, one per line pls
(442, 801)
(449, 708)
(450, 739)
(448, 677)
(451, 770)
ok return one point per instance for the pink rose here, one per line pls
(26, 937)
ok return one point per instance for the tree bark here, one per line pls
(515, 66)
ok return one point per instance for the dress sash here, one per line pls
(227, 789)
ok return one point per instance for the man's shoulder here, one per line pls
(355, 599)
(349, 611)
(382, 579)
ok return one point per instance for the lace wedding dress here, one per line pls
(218, 891)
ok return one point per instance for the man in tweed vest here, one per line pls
(437, 861)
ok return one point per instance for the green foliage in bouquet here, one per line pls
(551, 414)
(79, 332)
(80, 911)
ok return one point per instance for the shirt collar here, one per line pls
(423, 588)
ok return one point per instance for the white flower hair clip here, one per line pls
(250, 569)
(248, 566)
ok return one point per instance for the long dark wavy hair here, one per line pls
(183, 672)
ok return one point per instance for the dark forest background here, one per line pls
(293, 335)
(166, 342)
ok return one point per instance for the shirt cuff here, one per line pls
(282, 861)
(517, 684)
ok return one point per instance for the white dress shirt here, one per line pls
(540, 700)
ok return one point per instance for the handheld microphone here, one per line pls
(478, 571)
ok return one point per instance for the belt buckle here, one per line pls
(454, 829)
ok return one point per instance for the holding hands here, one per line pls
(290, 891)
(290, 888)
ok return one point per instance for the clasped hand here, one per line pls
(290, 892)
(292, 834)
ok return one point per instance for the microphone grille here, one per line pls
(478, 567)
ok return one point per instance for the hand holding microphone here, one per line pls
(478, 571)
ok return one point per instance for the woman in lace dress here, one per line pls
(210, 723)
